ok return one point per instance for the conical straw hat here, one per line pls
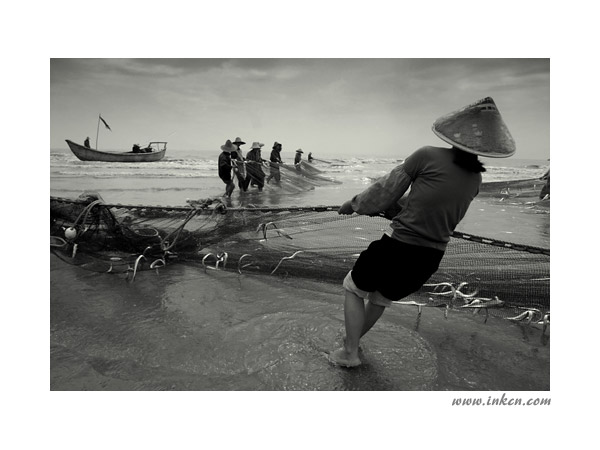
(228, 147)
(477, 128)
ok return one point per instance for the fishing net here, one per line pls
(290, 178)
(476, 274)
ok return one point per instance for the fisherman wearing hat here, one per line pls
(298, 159)
(239, 168)
(238, 142)
(443, 182)
(225, 166)
(275, 163)
(254, 166)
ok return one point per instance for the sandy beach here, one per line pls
(187, 329)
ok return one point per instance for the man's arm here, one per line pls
(381, 195)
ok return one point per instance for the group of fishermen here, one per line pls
(249, 169)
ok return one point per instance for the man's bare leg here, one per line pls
(372, 315)
(354, 316)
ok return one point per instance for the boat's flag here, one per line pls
(104, 122)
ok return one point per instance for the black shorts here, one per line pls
(394, 268)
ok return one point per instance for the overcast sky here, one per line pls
(331, 107)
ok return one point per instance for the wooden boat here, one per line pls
(158, 148)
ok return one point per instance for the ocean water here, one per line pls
(183, 175)
(184, 328)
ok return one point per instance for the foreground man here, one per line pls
(443, 182)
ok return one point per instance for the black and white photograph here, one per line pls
(243, 224)
(272, 221)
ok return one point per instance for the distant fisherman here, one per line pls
(87, 142)
(254, 163)
(238, 165)
(298, 159)
(275, 163)
(225, 166)
(443, 182)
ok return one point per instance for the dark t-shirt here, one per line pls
(275, 157)
(225, 166)
(440, 194)
(253, 155)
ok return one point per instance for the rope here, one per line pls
(219, 205)
(86, 212)
(498, 243)
(197, 208)
(164, 243)
(57, 241)
(204, 207)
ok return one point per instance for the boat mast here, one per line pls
(97, 131)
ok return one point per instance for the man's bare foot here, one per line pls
(344, 344)
(342, 358)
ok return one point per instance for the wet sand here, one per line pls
(184, 328)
